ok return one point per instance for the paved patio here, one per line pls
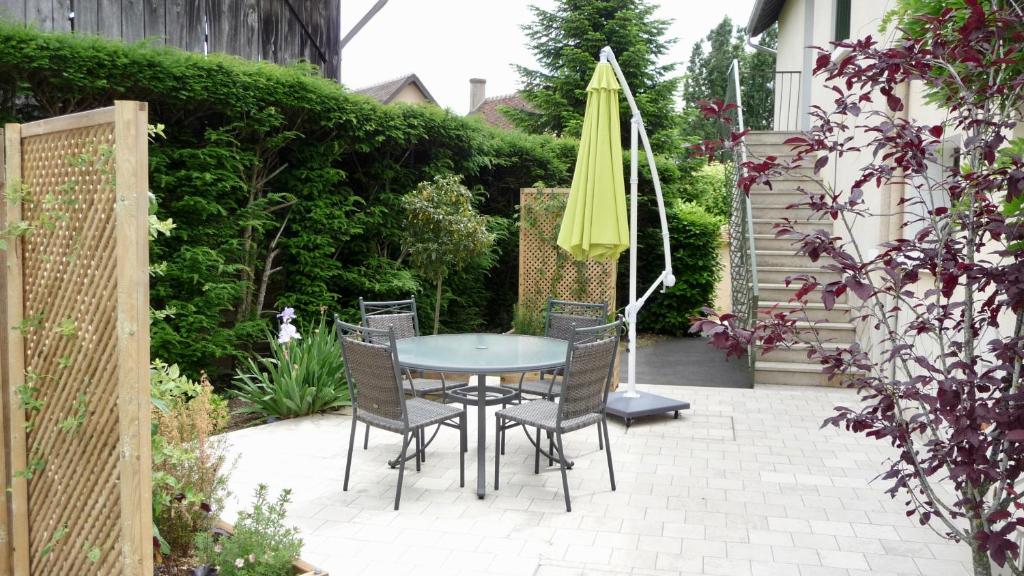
(743, 484)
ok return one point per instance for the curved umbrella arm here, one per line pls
(667, 279)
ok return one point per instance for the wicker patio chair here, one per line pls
(585, 385)
(400, 315)
(378, 400)
(561, 317)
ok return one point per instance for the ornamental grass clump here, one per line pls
(303, 375)
(260, 545)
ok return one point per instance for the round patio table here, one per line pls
(481, 354)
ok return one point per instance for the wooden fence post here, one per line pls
(15, 358)
(5, 446)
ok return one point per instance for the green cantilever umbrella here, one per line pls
(594, 225)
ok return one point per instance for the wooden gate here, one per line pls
(77, 355)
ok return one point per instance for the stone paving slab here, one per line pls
(745, 483)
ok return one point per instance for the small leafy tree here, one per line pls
(443, 232)
(944, 301)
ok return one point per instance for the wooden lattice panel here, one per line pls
(546, 271)
(78, 308)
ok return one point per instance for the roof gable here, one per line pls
(385, 92)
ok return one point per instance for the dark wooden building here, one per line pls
(281, 31)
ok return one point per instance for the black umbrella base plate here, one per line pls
(646, 404)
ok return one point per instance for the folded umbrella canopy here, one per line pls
(594, 225)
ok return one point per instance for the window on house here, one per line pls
(842, 19)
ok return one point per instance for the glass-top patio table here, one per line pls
(481, 354)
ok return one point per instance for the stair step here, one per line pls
(770, 136)
(787, 182)
(793, 374)
(771, 292)
(770, 242)
(805, 171)
(795, 353)
(812, 311)
(825, 332)
(780, 259)
(778, 274)
(767, 225)
(781, 210)
(773, 198)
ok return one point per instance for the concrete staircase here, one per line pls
(776, 259)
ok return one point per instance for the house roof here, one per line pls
(385, 92)
(764, 14)
(490, 109)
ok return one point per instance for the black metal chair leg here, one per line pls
(462, 450)
(565, 478)
(401, 468)
(366, 439)
(536, 454)
(423, 444)
(348, 459)
(551, 448)
(416, 434)
(497, 448)
(608, 451)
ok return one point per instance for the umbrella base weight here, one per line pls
(647, 404)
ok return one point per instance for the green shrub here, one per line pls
(302, 376)
(527, 321)
(695, 238)
(253, 150)
(709, 187)
(261, 544)
(189, 478)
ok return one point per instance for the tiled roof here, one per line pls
(386, 91)
(489, 109)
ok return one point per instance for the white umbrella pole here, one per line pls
(631, 311)
(666, 279)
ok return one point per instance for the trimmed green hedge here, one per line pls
(696, 237)
(261, 159)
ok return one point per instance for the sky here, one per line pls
(447, 42)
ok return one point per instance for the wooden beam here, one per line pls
(133, 20)
(155, 17)
(16, 357)
(5, 444)
(13, 10)
(131, 213)
(87, 16)
(108, 18)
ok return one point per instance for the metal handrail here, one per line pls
(777, 106)
(742, 249)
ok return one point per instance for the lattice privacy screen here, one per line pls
(78, 346)
(547, 271)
